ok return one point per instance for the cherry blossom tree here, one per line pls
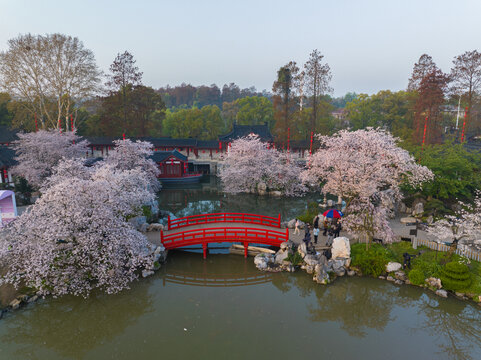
(251, 166)
(359, 166)
(76, 237)
(129, 155)
(461, 228)
(38, 153)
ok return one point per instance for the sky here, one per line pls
(370, 45)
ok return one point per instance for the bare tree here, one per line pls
(466, 77)
(124, 73)
(55, 68)
(422, 68)
(317, 78)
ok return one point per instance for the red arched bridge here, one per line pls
(223, 227)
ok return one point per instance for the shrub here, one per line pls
(416, 277)
(455, 276)
(310, 213)
(295, 258)
(371, 262)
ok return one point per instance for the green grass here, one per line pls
(425, 264)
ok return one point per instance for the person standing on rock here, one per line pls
(296, 230)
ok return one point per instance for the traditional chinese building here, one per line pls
(173, 167)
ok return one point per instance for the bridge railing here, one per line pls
(231, 234)
(224, 217)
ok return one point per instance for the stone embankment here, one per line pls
(291, 257)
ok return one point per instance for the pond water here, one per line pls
(223, 307)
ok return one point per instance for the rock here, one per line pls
(155, 227)
(398, 282)
(418, 209)
(434, 282)
(442, 293)
(311, 260)
(321, 276)
(281, 255)
(330, 203)
(138, 221)
(291, 224)
(381, 277)
(400, 275)
(340, 271)
(302, 249)
(159, 249)
(402, 208)
(33, 299)
(276, 193)
(351, 272)
(460, 295)
(143, 228)
(15, 304)
(146, 273)
(429, 220)
(393, 267)
(261, 188)
(284, 245)
(309, 269)
(407, 282)
(341, 248)
(390, 278)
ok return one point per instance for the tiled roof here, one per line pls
(6, 157)
(160, 156)
(7, 135)
(239, 131)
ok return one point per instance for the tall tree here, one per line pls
(124, 73)
(466, 77)
(39, 70)
(423, 67)
(317, 77)
(284, 98)
(431, 93)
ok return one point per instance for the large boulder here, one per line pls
(281, 255)
(341, 248)
(291, 224)
(442, 293)
(312, 260)
(302, 249)
(393, 267)
(261, 188)
(320, 274)
(434, 282)
(418, 209)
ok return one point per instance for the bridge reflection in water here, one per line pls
(216, 280)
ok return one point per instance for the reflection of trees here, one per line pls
(459, 324)
(357, 305)
(72, 326)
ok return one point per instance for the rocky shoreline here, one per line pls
(325, 270)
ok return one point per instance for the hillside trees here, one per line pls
(204, 124)
(48, 74)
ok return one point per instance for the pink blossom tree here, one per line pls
(76, 237)
(129, 155)
(38, 152)
(358, 166)
(252, 167)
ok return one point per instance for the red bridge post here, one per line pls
(204, 250)
(161, 236)
(246, 248)
(279, 220)
(168, 222)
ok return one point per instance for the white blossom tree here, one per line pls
(38, 153)
(250, 166)
(129, 155)
(358, 166)
(461, 228)
(76, 237)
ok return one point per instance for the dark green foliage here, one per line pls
(310, 213)
(371, 262)
(436, 208)
(295, 258)
(416, 277)
(455, 276)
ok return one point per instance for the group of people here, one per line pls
(331, 227)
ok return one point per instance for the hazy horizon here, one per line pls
(370, 46)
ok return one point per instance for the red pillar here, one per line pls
(246, 246)
(464, 124)
(204, 250)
